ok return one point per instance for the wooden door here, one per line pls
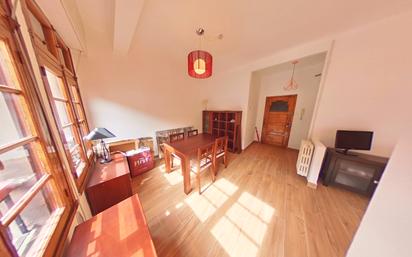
(277, 120)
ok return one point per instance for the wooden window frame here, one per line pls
(54, 176)
(57, 57)
(72, 122)
(81, 119)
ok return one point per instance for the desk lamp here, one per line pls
(100, 134)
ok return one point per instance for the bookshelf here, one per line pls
(224, 123)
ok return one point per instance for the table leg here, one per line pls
(185, 164)
(167, 160)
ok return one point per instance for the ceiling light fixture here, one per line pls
(292, 84)
(199, 62)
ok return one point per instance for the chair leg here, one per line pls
(172, 160)
(225, 160)
(198, 182)
(214, 168)
(212, 172)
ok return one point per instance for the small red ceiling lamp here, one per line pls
(199, 62)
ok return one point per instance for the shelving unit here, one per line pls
(224, 123)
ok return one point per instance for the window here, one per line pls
(279, 106)
(34, 202)
(67, 122)
(81, 120)
(41, 31)
(59, 78)
(64, 54)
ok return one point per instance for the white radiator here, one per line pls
(304, 158)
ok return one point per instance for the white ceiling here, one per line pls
(251, 29)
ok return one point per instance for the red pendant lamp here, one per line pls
(199, 62)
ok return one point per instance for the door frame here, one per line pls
(291, 121)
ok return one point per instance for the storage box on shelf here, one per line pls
(224, 123)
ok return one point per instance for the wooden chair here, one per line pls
(203, 162)
(193, 132)
(173, 138)
(220, 151)
(176, 137)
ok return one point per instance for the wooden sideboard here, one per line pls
(119, 231)
(357, 172)
(109, 184)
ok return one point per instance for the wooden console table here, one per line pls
(109, 184)
(119, 231)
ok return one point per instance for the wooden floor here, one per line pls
(258, 206)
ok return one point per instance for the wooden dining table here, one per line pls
(186, 149)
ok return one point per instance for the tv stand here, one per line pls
(359, 173)
(346, 152)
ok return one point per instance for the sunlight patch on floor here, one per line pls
(216, 197)
(242, 229)
(249, 223)
(225, 186)
(261, 209)
(200, 206)
(232, 240)
(175, 177)
(211, 199)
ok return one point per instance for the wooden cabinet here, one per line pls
(359, 173)
(109, 184)
(224, 123)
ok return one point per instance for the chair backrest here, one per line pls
(176, 137)
(220, 145)
(205, 153)
(193, 132)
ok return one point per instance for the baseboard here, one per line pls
(312, 185)
(293, 149)
(253, 142)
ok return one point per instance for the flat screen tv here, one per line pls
(353, 140)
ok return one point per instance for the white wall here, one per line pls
(368, 85)
(254, 88)
(127, 96)
(272, 81)
(232, 89)
(386, 226)
(228, 91)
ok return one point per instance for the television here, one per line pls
(353, 140)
